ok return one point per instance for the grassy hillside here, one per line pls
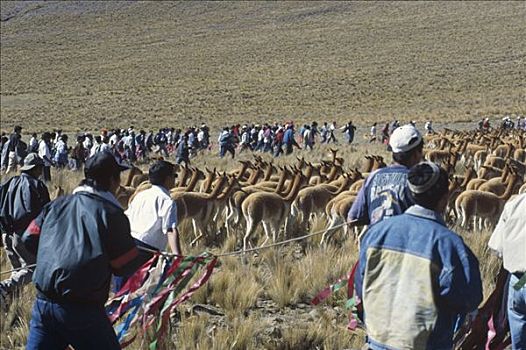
(84, 65)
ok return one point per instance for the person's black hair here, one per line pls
(159, 172)
(404, 157)
(420, 175)
(102, 183)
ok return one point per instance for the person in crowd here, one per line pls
(385, 134)
(509, 241)
(267, 138)
(78, 154)
(160, 140)
(44, 152)
(226, 143)
(245, 139)
(289, 140)
(521, 123)
(308, 138)
(21, 200)
(415, 277)
(324, 132)
(140, 141)
(480, 124)
(277, 143)
(61, 151)
(486, 124)
(349, 130)
(96, 146)
(372, 134)
(331, 133)
(114, 138)
(105, 146)
(149, 141)
(183, 154)
(4, 154)
(395, 125)
(384, 193)
(12, 149)
(429, 127)
(76, 257)
(153, 215)
(33, 143)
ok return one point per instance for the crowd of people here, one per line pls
(416, 279)
(130, 145)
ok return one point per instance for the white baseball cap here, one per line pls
(404, 138)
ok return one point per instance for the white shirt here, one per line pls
(95, 149)
(104, 147)
(114, 139)
(509, 237)
(152, 213)
(44, 153)
(33, 143)
(200, 136)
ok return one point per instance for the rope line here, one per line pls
(232, 253)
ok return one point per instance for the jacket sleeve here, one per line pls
(459, 281)
(31, 236)
(359, 209)
(121, 249)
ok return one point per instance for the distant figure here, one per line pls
(182, 153)
(486, 124)
(308, 138)
(12, 149)
(429, 128)
(385, 134)
(395, 125)
(44, 152)
(349, 129)
(372, 134)
(331, 135)
(226, 143)
(324, 131)
(289, 140)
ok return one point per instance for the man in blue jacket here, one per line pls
(415, 277)
(385, 193)
(80, 241)
(289, 140)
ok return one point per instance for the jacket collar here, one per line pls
(101, 194)
(425, 213)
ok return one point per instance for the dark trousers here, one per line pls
(55, 326)
(226, 148)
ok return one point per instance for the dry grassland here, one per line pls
(264, 301)
(87, 65)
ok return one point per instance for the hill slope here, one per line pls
(91, 64)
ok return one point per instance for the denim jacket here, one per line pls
(415, 278)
